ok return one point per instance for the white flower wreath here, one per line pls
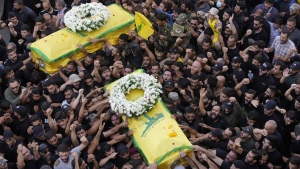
(86, 17)
(121, 105)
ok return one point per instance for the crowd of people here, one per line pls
(229, 71)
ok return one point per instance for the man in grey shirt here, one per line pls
(65, 157)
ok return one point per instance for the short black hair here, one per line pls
(189, 109)
(34, 118)
(161, 16)
(37, 90)
(183, 83)
(40, 19)
(11, 15)
(5, 105)
(253, 115)
(62, 148)
(25, 27)
(60, 115)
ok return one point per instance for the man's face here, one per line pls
(297, 89)
(68, 94)
(88, 61)
(159, 22)
(46, 6)
(263, 72)
(121, 42)
(290, 25)
(194, 83)
(256, 25)
(64, 156)
(36, 97)
(276, 70)
(12, 56)
(266, 144)
(190, 117)
(76, 84)
(106, 74)
(235, 65)
(264, 159)
(293, 72)
(287, 120)
(297, 105)
(52, 89)
(230, 42)
(48, 20)
(40, 25)
(194, 24)
(125, 155)
(53, 141)
(10, 75)
(10, 142)
(249, 157)
(215, 112)
(155, 69)
(62, 123)
(15, 87)
(26, 153)
(115, 120)
(267, 5)
(230, 145)
(70, 69)
(230, 157)
(226, 16)
(25, 33)
(81, 133)
(250, 122)
(283, 38)
(136, 156)
(268, 112)
(226, 134)
(205, 46)
(293, 13)
(237, 9)
(14, 20)
(167, 75)
(17, 6)
(223, 98)
(248, 98)
(174, 57)
(196, 67)
(111, 151)
(58, 7)
(268, 93)
(159, 55)
(127, 71)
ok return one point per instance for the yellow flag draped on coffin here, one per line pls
(53, 50)
(157, 136)
(143, 26)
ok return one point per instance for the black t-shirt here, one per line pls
(30, 164)
(275, 158)
(33, 103)
(58, 97)
(10, 153)
(20, 128)
(220, 123)
(17, 29)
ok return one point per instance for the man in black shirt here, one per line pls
(123, 155)
(270, 143)
(8, 148)
(55, 95)
(264, 78)
(17, 63)
(21, 124)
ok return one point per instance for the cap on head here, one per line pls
(295, 65)
(121, 149)
(248, 129)
(229, 105)
(271, 104)
(266, 66)
(74, 78)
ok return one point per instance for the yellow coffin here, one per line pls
(157, 136)
(53, 50)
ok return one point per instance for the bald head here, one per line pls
(221, 81)
(271, 126)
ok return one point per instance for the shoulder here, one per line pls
(56, 163)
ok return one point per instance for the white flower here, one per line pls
(118, 101)
(86, 17)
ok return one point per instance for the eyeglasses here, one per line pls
(46, 151)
